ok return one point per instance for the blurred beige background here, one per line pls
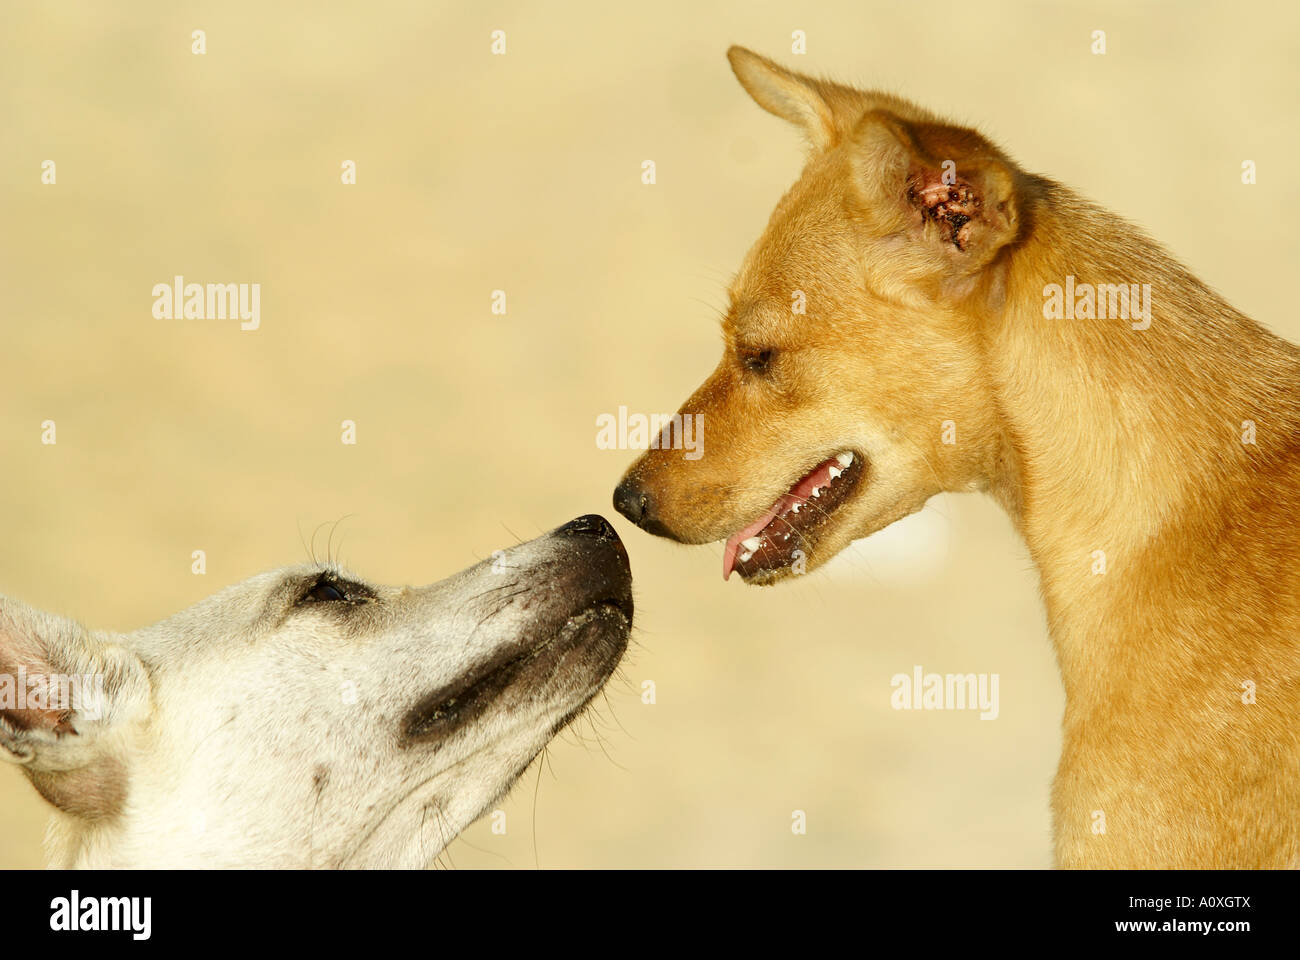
(522, 172)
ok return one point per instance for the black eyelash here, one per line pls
(756, 360)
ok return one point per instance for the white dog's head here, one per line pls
(305, 718)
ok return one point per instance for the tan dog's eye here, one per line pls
(756, 360)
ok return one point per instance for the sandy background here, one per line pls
(522, 172)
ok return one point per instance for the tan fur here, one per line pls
(1094, 436)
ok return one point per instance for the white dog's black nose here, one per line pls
(590, 525)
(596, 563)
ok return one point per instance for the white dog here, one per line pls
(304, 718)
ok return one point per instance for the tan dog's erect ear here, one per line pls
(61, 689)
(943, 186)
(791, 96)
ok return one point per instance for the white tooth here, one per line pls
(752, 544)
(796, 507)
(835, 472)
(845, 459)
(745, 556)
(817, 491)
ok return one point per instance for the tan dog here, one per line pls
(922, 316)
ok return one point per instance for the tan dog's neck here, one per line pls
(1153, 474)
(1118, 436)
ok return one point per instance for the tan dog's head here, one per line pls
(852, 338)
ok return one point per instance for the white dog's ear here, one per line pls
(63, 693)
(791, 96)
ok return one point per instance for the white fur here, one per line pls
(250, 731)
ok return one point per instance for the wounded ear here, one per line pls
(63, 693)
(942, 186)
(791, 96)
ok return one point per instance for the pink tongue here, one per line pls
(801, 492)
(734, 541)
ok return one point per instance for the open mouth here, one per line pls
(790, 527)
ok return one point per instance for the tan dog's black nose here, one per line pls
(631, 500)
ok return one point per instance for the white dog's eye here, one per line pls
(325, 592)
(329, 588)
